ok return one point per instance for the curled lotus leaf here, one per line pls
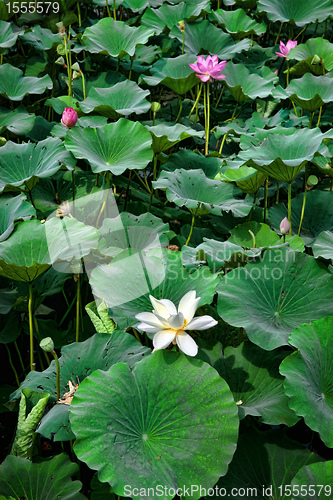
(297, 11)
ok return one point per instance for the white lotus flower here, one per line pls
(170, 325)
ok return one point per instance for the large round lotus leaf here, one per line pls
(169, 15)
(136, 5)
(318, 214)
(283, 156)
(309, 376)
(246, 4)
(115, 38)
(204, 36)
(244, 85)
(266, 461)
(174, 73)
(270, 298)
(8, 34)
(186, 158)
(15, 86)
(40, 38)
(124, 98)
(247, 179)
(49, 479)
(298, 11)
(80, 359)
(306, 51)
(13, 208)
(263, 234)
(136, 279)
(25, 163)
(315, 477)
(165, 135)
(323, 246)
(34, 246)
(310, 92)
(254, 379)
(170, 421)
(192, 189)
(113, 147)
(237, 22)
(18, 121)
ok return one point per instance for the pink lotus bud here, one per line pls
(69, 117)
(285, 226)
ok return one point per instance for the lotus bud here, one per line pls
(76, 74)
(3, 141)
(47, 344)
(285, 226)
(316, 60)
(69, 117)
(155, 106)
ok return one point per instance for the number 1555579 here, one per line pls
(32, 7)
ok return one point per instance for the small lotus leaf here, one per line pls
(237, 22)
(13, 209)
(18, 121)
(15, 86)
(165, 135)
(8, 34)
(306, 51)
(243, 85)
(310, 92)
(314, 477)
(169, 15)
(323, 246)
(40, 38)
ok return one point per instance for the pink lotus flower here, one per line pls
(284, 49)
(69, 117)
(209, 68)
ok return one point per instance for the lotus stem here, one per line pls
(278, 35)
(266, 199)
(277, 192)
(19, 356)
(207, 116)
(31, 332)
(253, 238)
(311, 120)
(108, 177)
(304, 200)
(300, 32)
(114, 10)
(68, 67)
(289, 208)
(56, 359)
(1, 59)
(183, 46)
(108, 8)
(77, 307)
(83, 85)
(320, 110)
(78, 13)
(137, 335)
(180, 108)
(191, 230)
(197, 99)
(12, 366)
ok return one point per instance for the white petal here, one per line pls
(164, 338)
(162, 320)
(170, 306)
(186, 344)
(147, 328)
(188, 305)
(176, 321)
(201, 323)
(149, 319)
(159, 307)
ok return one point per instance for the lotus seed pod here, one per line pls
(155, 106)
(47, 344)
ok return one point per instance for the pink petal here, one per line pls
(279, 54)
(218, 77)
(194, 67)
(203, 78)
(202, 67)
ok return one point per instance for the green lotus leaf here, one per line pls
(25, 163)
(174, 73)
(185, 158)
(113, 147)
(8, 35)
(41, 38)
(309, 375)
(271, 298)
(172, 431)
(8, 299)
(55, 424)
(243, 85)
(136, 5)
(98, 313)
(246, 4)
(204, 36)
(324, 164)
(247, 179)
(314, 477)
(102, 80)
(115, 38)
(237, 22)
(18, 121)
(123, 98)
(13, 208)
(62, 102)
(297, 11)
(263, 234)
(15, 86)
(148, 275)
(318, 214)
(266, 461)
(165, 135)
(323, 246)
(80, 359)
(191, 188)
(49, 479)
(283, 156)
(310, 92)
(34, 246)
(169, 15)
(306, 51)
(254, 379)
